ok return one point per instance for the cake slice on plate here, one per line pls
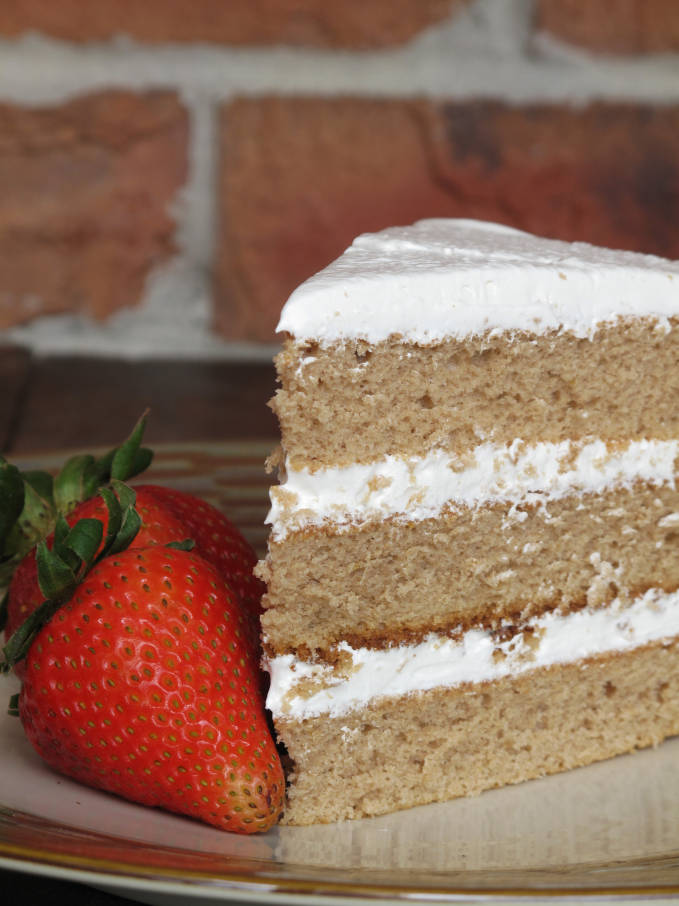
(473, 566)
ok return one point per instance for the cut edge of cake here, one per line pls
(485, 300)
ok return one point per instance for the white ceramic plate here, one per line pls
(607, 831)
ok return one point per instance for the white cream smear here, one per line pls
(300, 690)
(446, 278)
(418, 488)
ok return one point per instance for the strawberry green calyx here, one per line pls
(83, 475)
(27, 505)
(12, 501)
(75, 551)
(32, 501)
(12, 495)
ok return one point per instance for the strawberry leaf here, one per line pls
(187, 544)
(61, 530)
(43, 485)
(127, 533)
(85, 539)
(35, 521)
(4, 605)
(72, 483)
(131, 458)
(115, 515)
(82, 476)
(54, 574)
(76, 550)
(11, 498)
(37, 517)
(130, 521)
(124, 493)
(17, 646)
(30, 501)
(60, 546)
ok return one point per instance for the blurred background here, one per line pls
(171, 169)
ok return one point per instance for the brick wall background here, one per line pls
(170, 170)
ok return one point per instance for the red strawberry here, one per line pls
(140, 685)
(159, 526)
(31, 504)
(33, 501)
(167, 515)
(217, 539)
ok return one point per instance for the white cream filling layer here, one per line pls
(300, 690)
(421, 487)
(456, 278)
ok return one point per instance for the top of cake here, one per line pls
(443, 278)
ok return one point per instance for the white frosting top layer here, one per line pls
(421, 487)
(299, 690)
(457, 278)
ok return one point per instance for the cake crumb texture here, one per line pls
(352, 402)
(396, 581)
(439, 745)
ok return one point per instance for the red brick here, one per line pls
(301, 177)
(617, 26)
(85, 189)
(351, 23)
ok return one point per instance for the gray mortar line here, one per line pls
(197, 217)
(484, 51)
(221, 75)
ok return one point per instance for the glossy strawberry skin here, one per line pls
(140, 685)
(218, 540)
(167, 516)
(159, 526)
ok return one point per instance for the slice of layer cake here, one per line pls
(473, 567)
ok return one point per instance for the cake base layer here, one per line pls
(396, 581)
(447, 743)
(352, 402)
